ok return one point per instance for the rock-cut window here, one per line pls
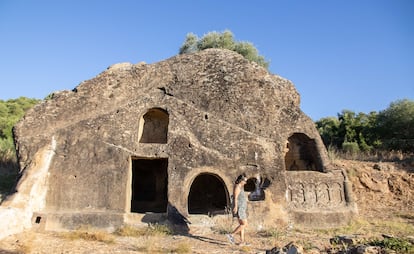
(153, 126)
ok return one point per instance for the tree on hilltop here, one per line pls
(224, 40)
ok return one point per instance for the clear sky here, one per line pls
(354, 54)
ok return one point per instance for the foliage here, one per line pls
(6, 183)
(328, 129)
(391, 129)
(396, 125)
(224, 40)
(10, 112)
(393, 243)
(350, 147)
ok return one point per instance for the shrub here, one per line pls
(393, 243)
(351, 148)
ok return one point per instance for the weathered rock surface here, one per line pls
(171, 137)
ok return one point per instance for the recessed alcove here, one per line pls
(153, 126)
(302, 154)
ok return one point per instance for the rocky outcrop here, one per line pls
(171, 137)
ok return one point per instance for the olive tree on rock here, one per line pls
(224, 40)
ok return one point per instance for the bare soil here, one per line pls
(384, 193)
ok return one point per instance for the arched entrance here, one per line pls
(207, 195)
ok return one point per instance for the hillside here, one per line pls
(382, 190)
(384, 194)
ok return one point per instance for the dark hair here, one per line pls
(241, 178)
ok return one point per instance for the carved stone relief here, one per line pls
(310, 195)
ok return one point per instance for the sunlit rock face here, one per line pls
(147, 142)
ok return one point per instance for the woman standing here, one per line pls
(239, 208)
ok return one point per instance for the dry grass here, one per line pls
(375, 156)
(153, 236)
(394, 227)
(225, 224)
(364, 230)
(246, 249)
(372, 228)
(89, 234)
(26, 245)
(130, 231)
(272, 232)
(151, 230)
(153, 244)
(183, 247)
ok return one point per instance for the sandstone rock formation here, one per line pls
(139, 142)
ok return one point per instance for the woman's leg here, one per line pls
(240, 229)
(244, 224)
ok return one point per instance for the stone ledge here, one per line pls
(72, 220)
(323, 219)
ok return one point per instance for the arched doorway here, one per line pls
(207, 195)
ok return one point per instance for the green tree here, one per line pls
(346, 130)
(391, 129)
(350, 129)
(224, 40)
(395, 126)
(328, 129)
(10, 112)
(359, 129)
(367, 136)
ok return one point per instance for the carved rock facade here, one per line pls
(139, 142)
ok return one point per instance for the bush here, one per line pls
(396, 244)
(224, 40)
(351, 148)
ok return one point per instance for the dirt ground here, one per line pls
(384, 193)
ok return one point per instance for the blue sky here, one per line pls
(354, 54)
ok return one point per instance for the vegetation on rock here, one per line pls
(10, 112)
(224, 40)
